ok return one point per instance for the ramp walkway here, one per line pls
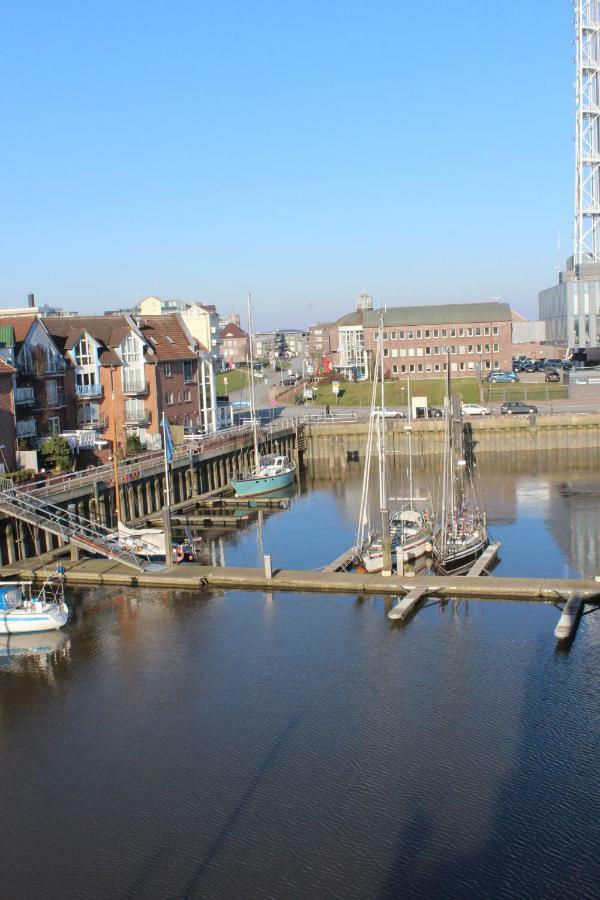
(72, 528)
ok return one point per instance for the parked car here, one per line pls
(517, 407)
(552, 375)
(388, 413)
(289, 381)
(475, 409)
(567, 365)
(552, 363)
(539, 365)
(517, 366)
(502, 377)
(530, 367)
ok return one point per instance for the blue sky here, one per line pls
(300, 150)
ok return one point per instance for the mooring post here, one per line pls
(168, 537)
(268, 565)
(386, 543)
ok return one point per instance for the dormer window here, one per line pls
(130, 350)
(84, 353)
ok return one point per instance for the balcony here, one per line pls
(24, 395)
(26, 428)
(139, 417)
(98, 424)
(55, 401)
(88, 391)
(135, 386)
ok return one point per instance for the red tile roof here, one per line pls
(168, 337)
(5, 367)
(109, 331)
(20, 325)
(231, 330)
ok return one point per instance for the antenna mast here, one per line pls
(586, 230)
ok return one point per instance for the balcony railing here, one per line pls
(135, 386)
(24, 395)
(98, 424)
(137, 417)
(26, 428)
(86, 391)
(53, 401)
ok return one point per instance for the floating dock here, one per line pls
(194, 577)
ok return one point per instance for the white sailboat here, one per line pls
(24, 612)
(269, 473)
(404, 535)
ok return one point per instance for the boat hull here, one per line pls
(460, 561)
(373, 561)
(31, 621)
(262, 484)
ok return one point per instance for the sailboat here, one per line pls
(23, 612)
(269, 473)
(462, 535)
(404, 535)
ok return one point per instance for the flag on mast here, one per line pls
(168, 439)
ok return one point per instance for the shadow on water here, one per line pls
(219, 841)
(548, 784)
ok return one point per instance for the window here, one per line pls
(386, 352)
(488, 364)
(428, 367)
(403, 351)
(401, 335)
(394, 370)
(168, 370)
(427, 351)
(409, 335)
(411, 367)
(436, 367)
(461, 349)
(84, 354)
(486, 348)
(495, 330)
(187, 395)
(419, 333)
(419, 351)
(453, 367)
(469, 332)
(461, 332)
(188, 370)
(395, 351)
(444, 332)
(461, 366)
(470, 366)
(453, 332)
(486, 330)
(453, 348)
(385, 335)
(496, 364)
(479, 348)
(420, 367)
(393, 335)
(478, 331)
(436, 351)
(436, 332)
(496, 348)
(427, 333)
(54, 425)
(470, 348)
(169, 398)
(130, 350)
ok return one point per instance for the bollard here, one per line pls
(268, 565)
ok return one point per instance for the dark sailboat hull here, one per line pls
(458, 561)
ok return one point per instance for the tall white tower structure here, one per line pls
(587, 134)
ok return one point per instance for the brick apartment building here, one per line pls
(8, 430)
(416, 339)
(234, 344)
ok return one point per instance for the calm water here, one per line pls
(245, 745)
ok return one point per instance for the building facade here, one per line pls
(234, 345)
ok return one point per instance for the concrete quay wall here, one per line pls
(572, 433)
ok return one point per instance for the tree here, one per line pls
(133, 445)
(56, 452)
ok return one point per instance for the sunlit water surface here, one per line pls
(247, 745)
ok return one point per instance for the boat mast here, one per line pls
(446, 477)
(409, 429)
(386, 546)
(252, 397)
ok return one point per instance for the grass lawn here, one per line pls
(237, 380)
(359, 394)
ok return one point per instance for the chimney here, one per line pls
(31, 300)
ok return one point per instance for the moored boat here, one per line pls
(24, 612)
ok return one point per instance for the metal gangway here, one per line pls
(72, 528)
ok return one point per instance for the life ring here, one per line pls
(179, 555)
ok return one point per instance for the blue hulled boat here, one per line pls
(273, 474)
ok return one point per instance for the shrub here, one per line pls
(56, 452)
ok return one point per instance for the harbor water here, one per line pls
(247, 745)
